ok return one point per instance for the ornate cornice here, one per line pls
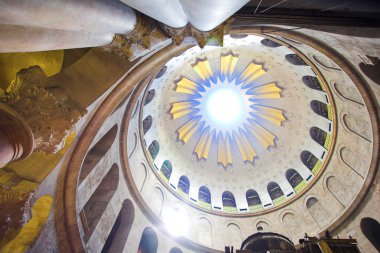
(139, 41)
(212, 37)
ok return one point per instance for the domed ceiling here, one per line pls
(249, 125)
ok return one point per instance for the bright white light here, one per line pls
(176, 221)
(224, 105)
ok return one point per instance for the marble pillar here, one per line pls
(16, 138)
(16, 38)
(97, 16)
(41, 25)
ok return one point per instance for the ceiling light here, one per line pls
(224, 105)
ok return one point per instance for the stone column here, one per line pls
(16, 138)
(16, 38)
(40, 25)
(98, 16)
(34, 117)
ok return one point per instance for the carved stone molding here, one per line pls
(146, 35)
(47, 110)
(149, 33)
(212, 37)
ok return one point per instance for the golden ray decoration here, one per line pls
(180, 109)
(202, 148)
(203, 69)
(252, 72)
(246, 150)
(224, 150)
(269, 90)
(227, 64)
(253, 130)
(187, 86)
(188, 129)
(271, 114)
(265, 137)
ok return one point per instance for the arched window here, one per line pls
(253, 199)
(312, 82)
(147, 123)
(321, 109)
(275, 193)
(310, 161)
(149, 97)
(154, 148)
(295, 180)
(175, 250)
(161, 72)
(204, 197)
(98, 202)
(119, 233)
(166, 170)
(269, 43)
(295, 60)
(371, 230)
(183, 186)
(97, 152)
(321, 137)
(229, 203)
(148, 242)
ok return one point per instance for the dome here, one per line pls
(155, 134)
(241, 129)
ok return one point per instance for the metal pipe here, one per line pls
(28, 39)
(97, 16)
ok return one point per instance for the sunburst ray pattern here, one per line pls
(249, 130)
